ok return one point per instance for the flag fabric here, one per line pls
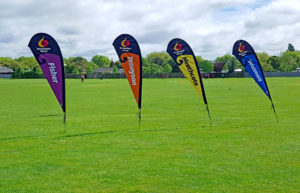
(47, 53)
(130, 57)
(183, 55)
(244, 52)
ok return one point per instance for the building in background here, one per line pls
(5, 72)
(218, 66)
(103, 70)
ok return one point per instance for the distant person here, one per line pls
(101, 76)
(82, 78)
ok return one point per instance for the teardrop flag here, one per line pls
(130, 57)
(244, 52)
(183, 55)
(47, 53)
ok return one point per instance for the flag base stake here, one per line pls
(140, 117)
(208, 114)
(273, 107)
(65, 120)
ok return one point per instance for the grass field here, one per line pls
(175, 150)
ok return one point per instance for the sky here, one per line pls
(88, 27)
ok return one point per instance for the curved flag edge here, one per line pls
(141, 66)
(62, 67)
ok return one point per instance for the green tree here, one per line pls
(17, 73)
(263, 58)
(23, 67)
(230, 62)
(111, 63)
(101, 61)
(199, 60)
(65, 61)
(150, 68)
(291, 48)
(118, 64)
(27, 63)
(37, 70)
(289, 61)
(71, 69)
(207, 66)
(10, 63)
(91, 67)
(173, 65)
(115, 69)
(274, 61)
(78, 62)
(6, 61)
(159, 60)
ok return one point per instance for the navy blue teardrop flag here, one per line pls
(244, 52)
(184, 57)
(47, 53)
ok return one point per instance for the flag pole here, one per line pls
(140, 117)
(65, 122)
(273, 107)
(208, 114)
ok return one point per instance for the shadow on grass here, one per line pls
(86, 134)
(126, 131)
(89, 134)
(19, 137)
(53, 115)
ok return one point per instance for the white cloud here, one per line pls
(88, 27)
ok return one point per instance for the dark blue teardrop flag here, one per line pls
(244, 52)
(47, 53)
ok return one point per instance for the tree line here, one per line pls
(155, 62)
